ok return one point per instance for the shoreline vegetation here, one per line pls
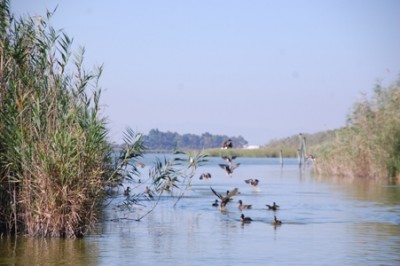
(57, 165)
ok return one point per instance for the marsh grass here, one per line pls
(53, 142)
(272, 152)
(370, 145)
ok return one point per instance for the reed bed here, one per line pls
(369, 146)
(54, 153)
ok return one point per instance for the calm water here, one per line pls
(326, 221)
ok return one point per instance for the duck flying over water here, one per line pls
(244, 219)
(253, 182)
(229, 168)
(229, 159)
(242, 206)
(205, 176)
(273, 207)
(227, 144)
(227, 198)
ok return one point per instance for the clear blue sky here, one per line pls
(261, 69)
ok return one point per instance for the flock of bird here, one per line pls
(223, 200)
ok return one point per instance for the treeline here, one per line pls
(370, 145)
(157, 140)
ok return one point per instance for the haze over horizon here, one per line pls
(258, 69)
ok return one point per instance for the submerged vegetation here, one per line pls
(370, 145)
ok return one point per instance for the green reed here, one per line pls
(53, 141)
(370, 145)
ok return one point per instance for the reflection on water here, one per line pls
(47, 251)
(326, 221)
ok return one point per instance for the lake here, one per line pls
(326, 221)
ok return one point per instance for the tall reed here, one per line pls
(53, 141)
(370, 145)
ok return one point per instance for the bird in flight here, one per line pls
(227, 198)
(227, 144)
(252, 182)
(229, 159)
(229, 168)
(273, 207)
(205, 176)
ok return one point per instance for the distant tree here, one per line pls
(169, 141)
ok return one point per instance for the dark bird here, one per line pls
(229, 168)
(273, 207)
(245, 219)
(227, 144)
(205, 176)
(215, 204)
(229, 159)
(148, 192)
(127, 191)
(253, 182)
(242, 206)
(227, 198)
(276, 221)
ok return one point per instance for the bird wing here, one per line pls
(217, 194)
(233, 166)
(248, 181)
(224, 166)
(233, 192)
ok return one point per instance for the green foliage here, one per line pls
(53, 141)
(370, 145)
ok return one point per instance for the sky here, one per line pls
(260, 69)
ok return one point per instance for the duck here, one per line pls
(215, 204)
(148, 192)
(127, 191)
(273, 207)
(229, 168)
(252, 182)
(229, 159)
(205, 176)
(227, 198)
(242, 206)
(245, 219)
(276, 221)
(227, 144)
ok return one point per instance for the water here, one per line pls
(326, 221)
